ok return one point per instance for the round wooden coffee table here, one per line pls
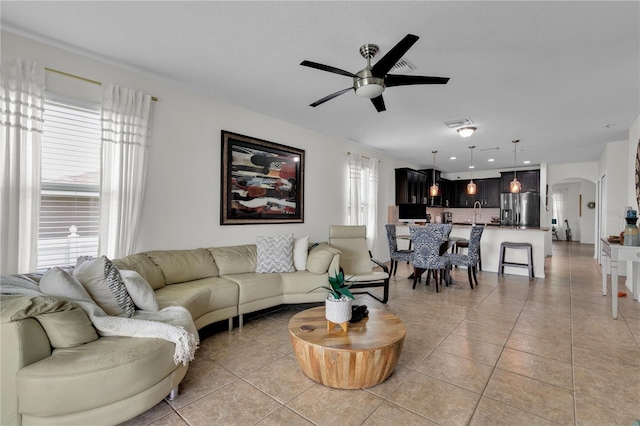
(362, 357)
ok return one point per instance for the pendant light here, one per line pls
(433, 190)
(471, 186)
(514, 185)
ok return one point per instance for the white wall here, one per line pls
(588, 218)
(182, 199)
(617, 183)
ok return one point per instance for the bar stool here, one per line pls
(465, 244)
(524, 246)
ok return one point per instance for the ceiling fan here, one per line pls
(371, 81)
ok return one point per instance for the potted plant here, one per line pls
(339, 300)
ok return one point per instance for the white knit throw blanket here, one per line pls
(173, 323)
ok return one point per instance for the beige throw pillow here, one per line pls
(103, 282)
(320, 258)
(300, 252)
(140, 291)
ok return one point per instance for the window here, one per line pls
(363, 193)
(70, 202)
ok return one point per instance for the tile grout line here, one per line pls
(573, 374)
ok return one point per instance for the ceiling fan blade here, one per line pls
(326, 68)
(378, 102)
(331, 96)
(382, 67)
(391, 80)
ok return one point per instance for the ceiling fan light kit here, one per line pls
(371, 81)
(515, 185)
(465, 132)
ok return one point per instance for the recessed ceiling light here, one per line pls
(452, 158)
(491, 159)
(526, 162)
(472, 167)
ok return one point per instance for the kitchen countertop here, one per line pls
(498, 226)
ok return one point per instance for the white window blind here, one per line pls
(70, 203)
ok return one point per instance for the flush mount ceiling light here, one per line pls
(465, 132)
(471, 186)
(433, 190)
(514, 185)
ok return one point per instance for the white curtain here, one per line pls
(22, 99)
(363, 197)
(125, 134)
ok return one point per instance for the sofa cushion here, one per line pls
(142, 264)
(302, 282)
(67, 329)
(320, 258)
(300, 253)
(180, 266)
(93, 375)
(103, 282)
(235, 259)
(275, 254)
(56, 282)
(200, 297)
(255, 286)
(140, 291)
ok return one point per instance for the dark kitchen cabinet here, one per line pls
(412, 186)
(487, 193)
(462, 199)
(448, 192)
(443, 199)
(529, 179)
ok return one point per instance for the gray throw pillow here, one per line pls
(275, 254)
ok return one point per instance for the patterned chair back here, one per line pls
(391, 237)
(426, 242)
(445, 227)
(474, 243)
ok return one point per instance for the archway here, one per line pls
(575, 202)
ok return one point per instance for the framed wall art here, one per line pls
(262, 182)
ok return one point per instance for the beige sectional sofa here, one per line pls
(112, 379)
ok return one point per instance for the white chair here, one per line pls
(356, 261)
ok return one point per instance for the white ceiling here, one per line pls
(552, 74)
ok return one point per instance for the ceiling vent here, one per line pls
(459, 123)
(402, 67)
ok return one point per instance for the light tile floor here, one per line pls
(510, 352)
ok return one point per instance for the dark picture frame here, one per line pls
(262, 182)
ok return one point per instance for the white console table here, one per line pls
(613, 253)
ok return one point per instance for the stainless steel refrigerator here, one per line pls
(522, 209)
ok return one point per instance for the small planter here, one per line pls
(338, 312)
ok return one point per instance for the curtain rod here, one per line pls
(153, 98)
(363, 156)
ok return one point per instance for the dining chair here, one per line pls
(427, 243)
(395, 253)
(470, 260)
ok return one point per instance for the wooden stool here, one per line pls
(524, 246)
(465, 244)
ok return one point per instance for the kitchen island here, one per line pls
(493, 236)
